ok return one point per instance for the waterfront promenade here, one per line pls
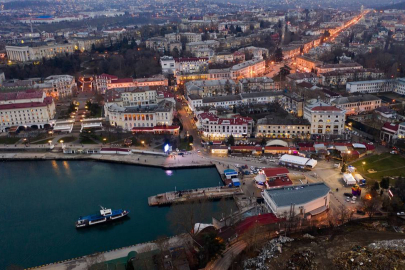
(83, 263)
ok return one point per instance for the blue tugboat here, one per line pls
(104, 216)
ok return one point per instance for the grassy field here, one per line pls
(68, 139)
(8, 140)
(385, 165)
(44, 141)
(86, 140)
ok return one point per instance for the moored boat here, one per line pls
(104, 216)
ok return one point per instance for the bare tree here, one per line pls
(371, 204)
(183, 217)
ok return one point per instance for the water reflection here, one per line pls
(169, 172)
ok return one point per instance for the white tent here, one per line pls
(359, 145)
(296, 160)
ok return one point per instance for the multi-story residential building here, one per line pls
(325, 119)
(290, 51)
(357, 104)
(297, 78)
(105, 82)
(337, 67)
(187, 36)
(338, 78)
(38, 51)
(258, 84)
(162, 45)
(248, 69)
(282, 127)
(401, 130)
(244, 26)
(168, 64)
(255, 51)
(195, 101)
(376, 86)
(139, 97)
(160, 114)
(29, 108)
(306, 63)
(58, 86)
(207, 44)
(208, 88)
(293, 103)
(190, 64)
(101, 82)
(216, 127)
(86, 43)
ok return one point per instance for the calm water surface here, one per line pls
(40, 202)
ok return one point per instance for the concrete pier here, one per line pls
(212, 193)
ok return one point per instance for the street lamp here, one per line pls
(143, 143)
(61, 141)
(104, 140)
(363, 163)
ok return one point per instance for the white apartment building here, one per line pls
(37, 53)
(248, 69)
(337, 67)
(188, 36)
(212, 126)
(256, 84)
(376, 86)
(101, 82)
(401, 130)
(325, 119)
(357, 104)
(139, 97)
(207, 44)
(29, 108)
(160, 114)
(168, 64)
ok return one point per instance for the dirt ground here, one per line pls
(326, 247)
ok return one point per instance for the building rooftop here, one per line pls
(29, 94)
(353, 99)
(281, 120)
(297, 195)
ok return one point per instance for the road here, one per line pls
(225, 261)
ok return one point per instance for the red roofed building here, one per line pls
(389, 131)
(325, 119)
(212, 126)
(29, 108)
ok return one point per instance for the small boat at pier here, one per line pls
(104, 216)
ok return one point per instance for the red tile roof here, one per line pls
(391, 126)
(273, 172)
(249, 222)
(123, 80)
(21, 95)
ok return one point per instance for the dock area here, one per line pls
(212, 193)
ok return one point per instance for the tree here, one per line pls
(183, 217)
(231, 140)
(371, 204)
(190, 139)
(385, 183)
(376, 186)
(263, 142)
(343, 170)
(278, 55)
(213, 247)
(175, 53)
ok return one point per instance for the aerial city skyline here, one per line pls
(216, 135)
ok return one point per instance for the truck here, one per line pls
(348, 179)
(360, 179)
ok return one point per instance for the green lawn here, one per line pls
(44, 141)
(68, 139)
(86, 140)
(8, 140)
(385, 165)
